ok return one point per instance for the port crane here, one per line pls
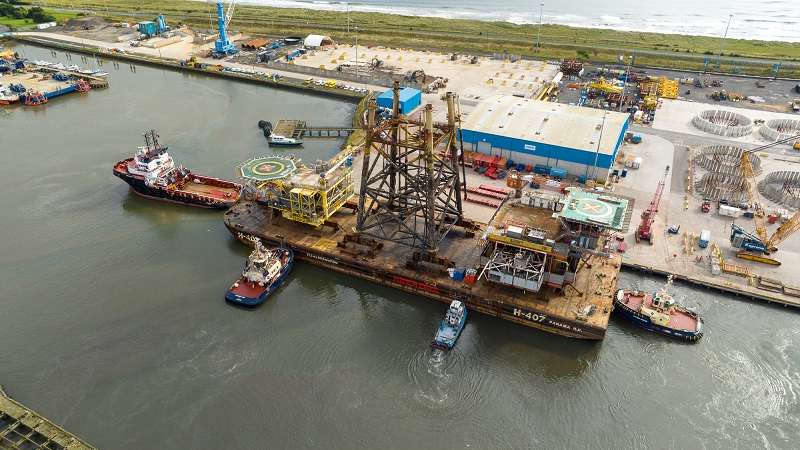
(649, 215)
(223, 47)
(758, 246)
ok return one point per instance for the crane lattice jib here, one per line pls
(755, 198)
(784, 231)
(229, 14)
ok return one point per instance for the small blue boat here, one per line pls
(451, 326)
(265, 271)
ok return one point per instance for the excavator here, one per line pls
(758, 246)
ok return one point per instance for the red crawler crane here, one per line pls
(648, 216)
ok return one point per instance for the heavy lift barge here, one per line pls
(539, 261)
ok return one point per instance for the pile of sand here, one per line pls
(82, 23)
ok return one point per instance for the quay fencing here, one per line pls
(723, 123)
(316, 72)
(727, 65)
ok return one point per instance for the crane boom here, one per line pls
(648, 216)
(755, 198)
(766, 243)
(784, 231)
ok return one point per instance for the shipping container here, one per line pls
(558, 172)
(542, 169)
(705, 235)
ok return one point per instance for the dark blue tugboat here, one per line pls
(658, 312)
(265, 271)
(451, 326)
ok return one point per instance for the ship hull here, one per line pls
(643, 321)
(139, 187)
(252, 295)
(442, 341)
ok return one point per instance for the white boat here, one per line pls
(7, 96)
(277, 139)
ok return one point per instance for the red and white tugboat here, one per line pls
(658, 312)
(152, 173)
(265, 271)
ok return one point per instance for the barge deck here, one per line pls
(20, 427)
(580, 310)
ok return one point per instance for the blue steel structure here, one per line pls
(162, 26)
(409, 99)
(223, 47)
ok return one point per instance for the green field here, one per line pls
(25, 24)
(466, 36)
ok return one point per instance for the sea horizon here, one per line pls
(765, 20)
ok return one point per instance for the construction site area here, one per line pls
(716, 150)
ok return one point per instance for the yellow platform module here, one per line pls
(667, 88)
(307, 194)
(605, 86)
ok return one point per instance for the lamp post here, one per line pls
(599, 140)
(730, 16)
(626, 81)
(347, 5)
(539, 34)
(356, 29)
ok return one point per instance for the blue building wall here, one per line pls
(409, 99)
(495, 144)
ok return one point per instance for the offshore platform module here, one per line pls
(541, 260)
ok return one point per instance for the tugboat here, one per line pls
(277, 139)
(262, 275)
(451, 326)
(152, 173)
(658, 312)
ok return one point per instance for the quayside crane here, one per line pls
(223, 47)
(649, 215)
(758, 246)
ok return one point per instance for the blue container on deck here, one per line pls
(542, 169)
(624, 173)
(582, 179)
(147, 28)
(558, 172)
(458, 274)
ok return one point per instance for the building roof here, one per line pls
(551, 123)
(317, 40)
(406, 93)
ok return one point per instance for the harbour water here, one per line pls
(114, 326)
(768, 20)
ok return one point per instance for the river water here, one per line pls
(114, 326)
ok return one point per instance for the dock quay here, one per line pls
(22, 428)
(298, 128)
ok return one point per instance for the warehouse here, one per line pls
(409, 99)
(572, 138)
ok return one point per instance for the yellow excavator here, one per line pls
(758, 246)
